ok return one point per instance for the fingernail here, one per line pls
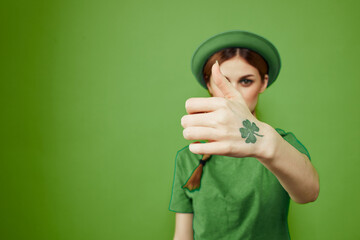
(217, 62)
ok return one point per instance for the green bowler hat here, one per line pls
(236, 38)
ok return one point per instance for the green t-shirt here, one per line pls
(238, 198)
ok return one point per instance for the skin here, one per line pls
(250, 87)
(183, 226)
(219, 119)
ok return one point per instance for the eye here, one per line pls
(246, 81)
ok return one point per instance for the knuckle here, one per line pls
(227, 104)
(221, 134)
(228, 148)
(223, 102)
(222, 117)
(213, 122)
(226, 132)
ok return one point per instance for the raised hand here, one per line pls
(226, 122)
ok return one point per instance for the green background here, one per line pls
(92, 93)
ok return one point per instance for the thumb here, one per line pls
(224, 85)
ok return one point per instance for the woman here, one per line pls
(252, 170)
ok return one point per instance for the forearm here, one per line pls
(183, 226)
(292, 168)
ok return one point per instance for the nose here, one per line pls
(234, 84)
(238, 88)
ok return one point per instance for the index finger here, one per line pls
(205, 104)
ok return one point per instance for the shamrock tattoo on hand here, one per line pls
(249, 131)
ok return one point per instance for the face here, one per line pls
(244, 77)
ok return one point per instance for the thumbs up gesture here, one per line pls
(226, 122)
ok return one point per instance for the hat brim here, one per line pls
(236, 38)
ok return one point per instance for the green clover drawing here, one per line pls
(249, 131)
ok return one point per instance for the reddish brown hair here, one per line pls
(251, 57)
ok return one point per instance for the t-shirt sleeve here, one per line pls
(291, 138)
(179, 201)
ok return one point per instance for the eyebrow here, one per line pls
(248, 75)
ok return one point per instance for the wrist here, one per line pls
(268, 144)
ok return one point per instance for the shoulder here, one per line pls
(287, 135)
(186, 158)
(284, 133)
